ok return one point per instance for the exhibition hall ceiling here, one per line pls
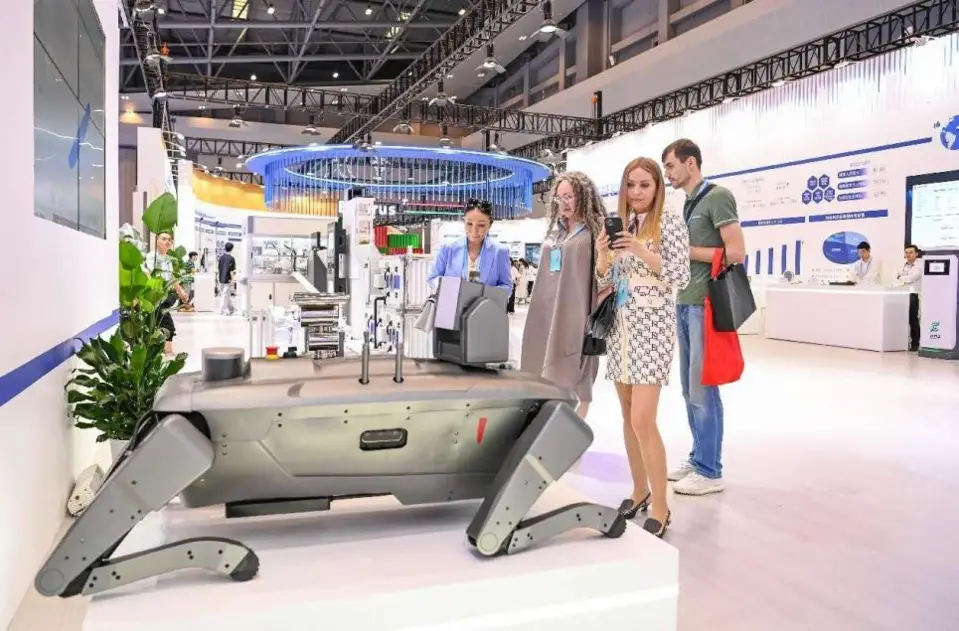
(356, 45)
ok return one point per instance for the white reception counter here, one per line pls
(871, 317)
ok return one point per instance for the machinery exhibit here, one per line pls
(265, 437)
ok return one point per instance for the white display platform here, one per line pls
(204, 298)
(373, 565)
(864, 317)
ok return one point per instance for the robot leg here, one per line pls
(552, 443)
(168, 459)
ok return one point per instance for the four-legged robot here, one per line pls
(292, 435)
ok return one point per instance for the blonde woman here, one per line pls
(644, 266)
(565, 291)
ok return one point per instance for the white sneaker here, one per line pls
(697, 484)
(680, 472)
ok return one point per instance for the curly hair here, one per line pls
(589, 205)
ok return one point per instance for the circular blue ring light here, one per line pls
(416, 178)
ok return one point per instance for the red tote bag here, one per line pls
(722, 356)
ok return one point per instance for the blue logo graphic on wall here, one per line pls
(74, 158)
(949, 134)
(840, 248)
(818, 189)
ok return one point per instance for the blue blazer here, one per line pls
(452, 259)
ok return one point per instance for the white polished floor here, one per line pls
(842, 471)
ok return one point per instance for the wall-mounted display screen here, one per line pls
(932, 210)
(935, 215)
(68, 115)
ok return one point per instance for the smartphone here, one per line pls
(614, 225)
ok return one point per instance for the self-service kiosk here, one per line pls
(939, 305)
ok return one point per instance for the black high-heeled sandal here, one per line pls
(657, 528)
(628, 508)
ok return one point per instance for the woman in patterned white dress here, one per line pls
(644, 267)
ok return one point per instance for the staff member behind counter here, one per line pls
(477, 256)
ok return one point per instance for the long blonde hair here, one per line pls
(589, 205)
(654, 218)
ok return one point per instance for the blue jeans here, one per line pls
(704, 408)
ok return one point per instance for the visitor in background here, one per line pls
(511, 302)
(226, 277)
(911, 276)
(477, 256)
(644, 266)
(159, 263)
(517, 276)
(713, 222)
(187, 282)
(531, 270)
(867, 269)
(565, 291)
(522, 293)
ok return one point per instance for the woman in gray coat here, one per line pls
(565, 291)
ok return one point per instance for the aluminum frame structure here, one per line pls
(474, 30)
(141, 22)
(907, 26)
(368, 41)
(365, 107)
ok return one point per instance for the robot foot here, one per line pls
(550, 445)
(170, 457)
(222, 556)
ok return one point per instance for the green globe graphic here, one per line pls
(950, 134)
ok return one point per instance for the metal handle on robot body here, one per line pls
(365, 360)
(398, 371)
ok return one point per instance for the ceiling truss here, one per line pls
(242, 94)
(909, 26)
(298, 42)
(478, 26)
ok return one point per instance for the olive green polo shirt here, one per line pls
(715, 210)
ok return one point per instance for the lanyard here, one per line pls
(693, 201)
(573, 234)
(864, 268)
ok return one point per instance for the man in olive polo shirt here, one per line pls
(713, 222)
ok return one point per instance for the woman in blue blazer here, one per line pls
(477, 256)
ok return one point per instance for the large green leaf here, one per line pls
(130, 256)
(161, 215)
(138, 360)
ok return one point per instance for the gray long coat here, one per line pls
(556, 320)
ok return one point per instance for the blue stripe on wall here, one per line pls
(783, 258)
(831, 156)
(19, 379)
(769, 263)
(798, 253)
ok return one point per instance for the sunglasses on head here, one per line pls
(486, 207)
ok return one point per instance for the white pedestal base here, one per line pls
(371, 565)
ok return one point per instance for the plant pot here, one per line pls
(116, 448)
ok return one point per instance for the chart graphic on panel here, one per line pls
(842, 248)
(776, 260)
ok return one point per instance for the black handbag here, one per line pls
(731, 297)
(600, 320)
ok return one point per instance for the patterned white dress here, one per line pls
(641, 343)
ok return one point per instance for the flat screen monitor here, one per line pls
(932, 210)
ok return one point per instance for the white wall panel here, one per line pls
(884, 115)
(57, 282)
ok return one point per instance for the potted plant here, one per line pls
(113, 390)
